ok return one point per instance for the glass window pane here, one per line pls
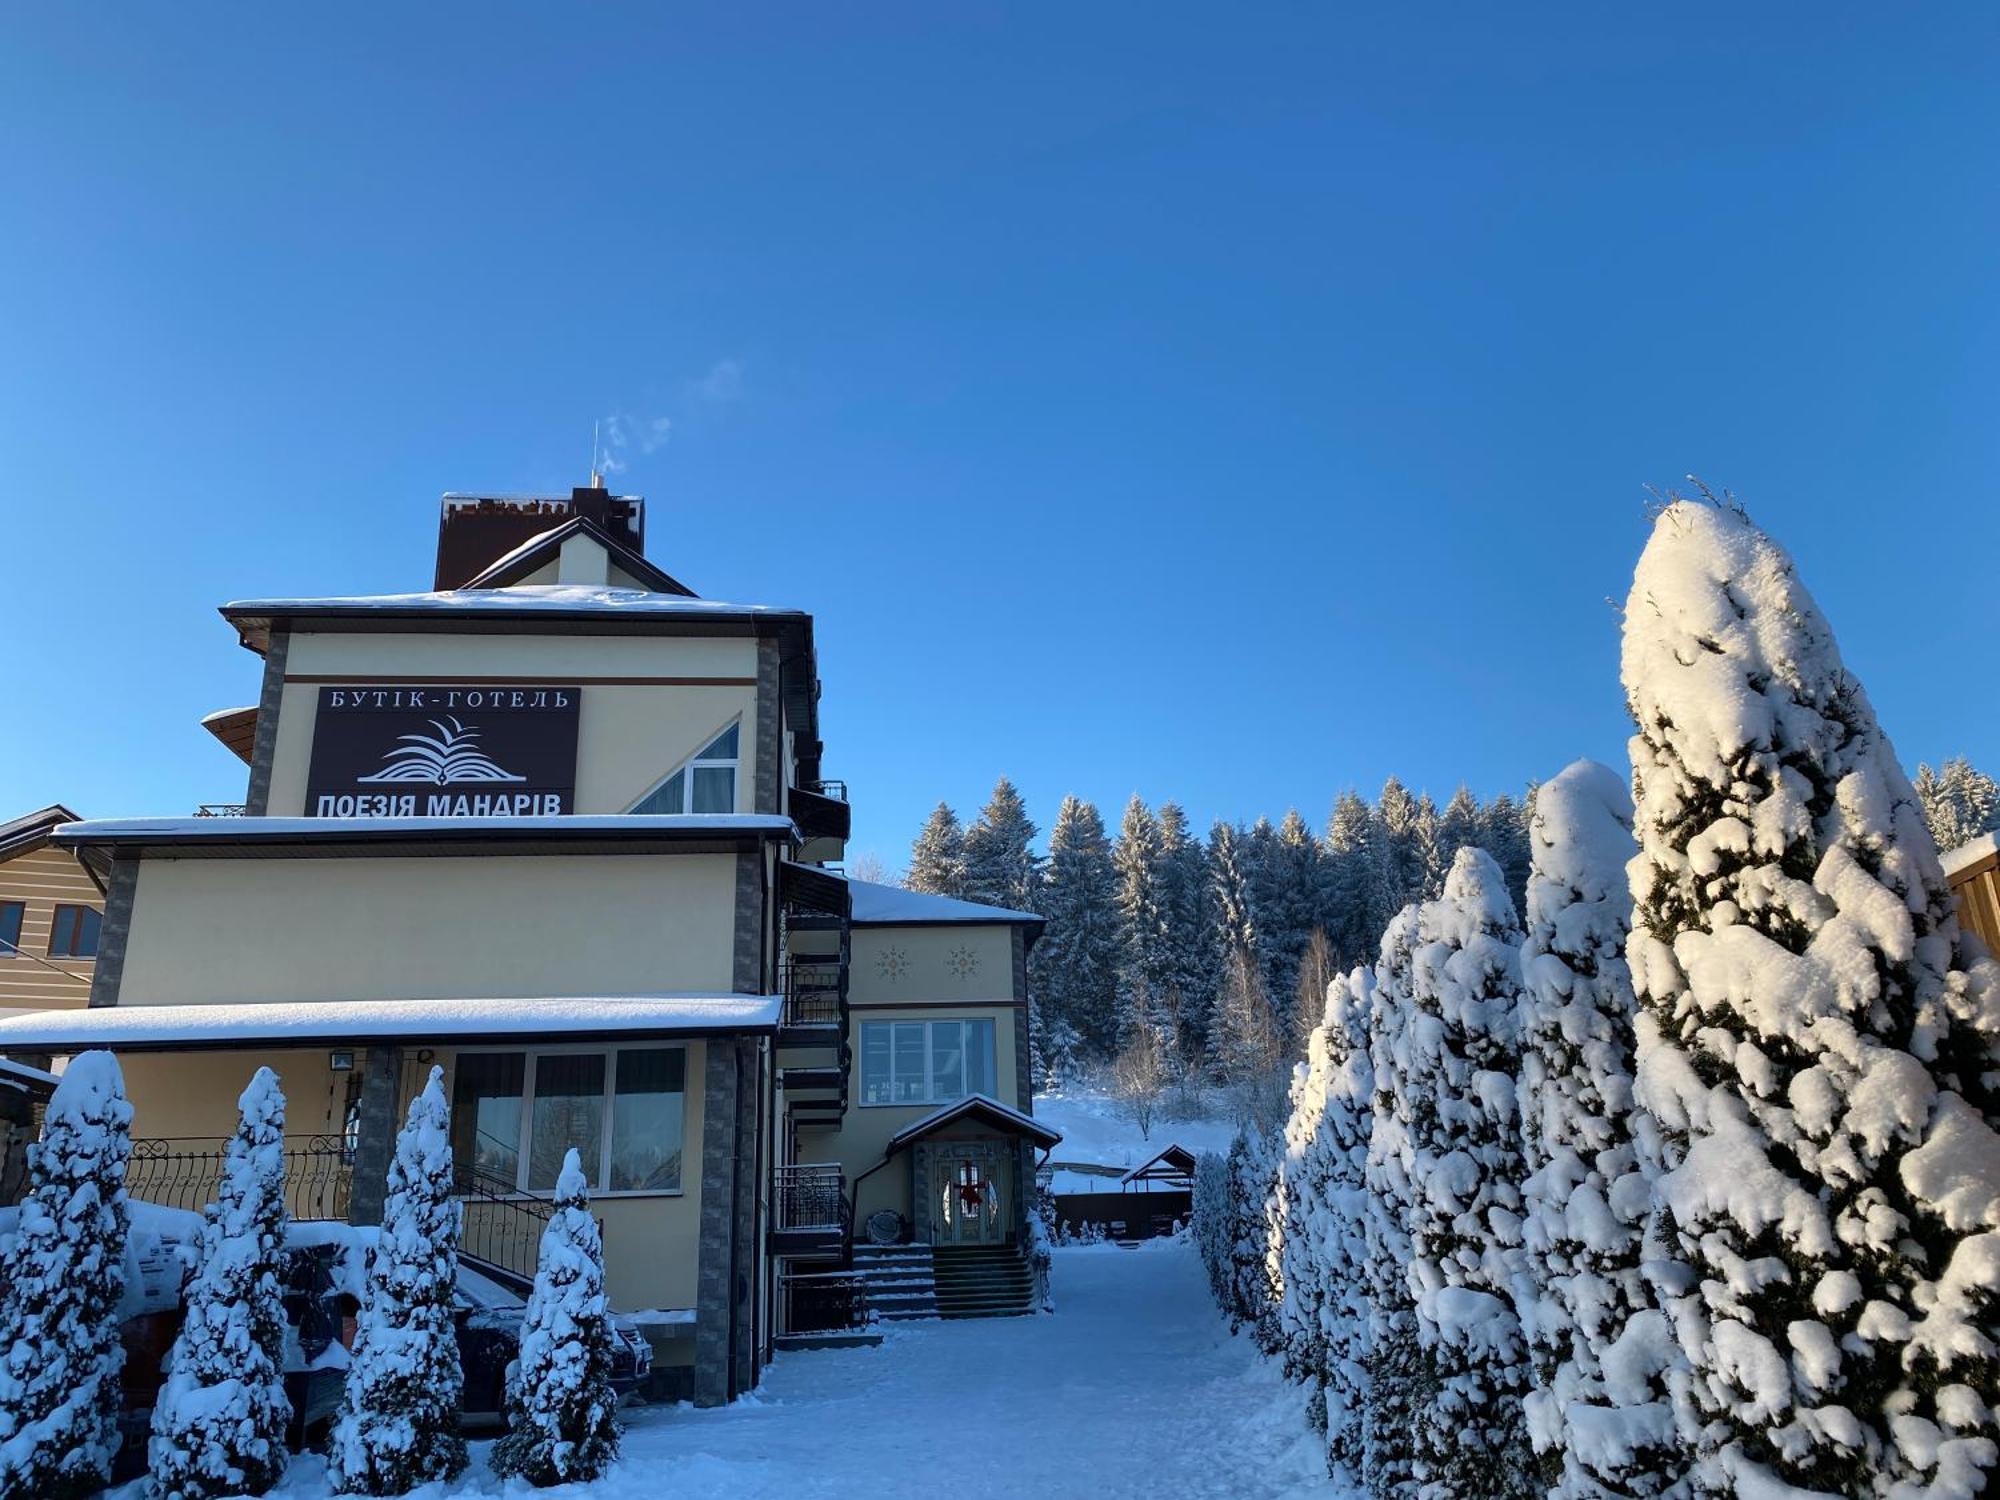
(569, 1111)
(980, 1076)
(947, 1061)
(486, 1116)
(714, 789)
(722, 747)
(646, 1120)
(875, 1062)
(666, 797)
(909, 1062)
(10, 927)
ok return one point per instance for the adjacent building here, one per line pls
(561, 828)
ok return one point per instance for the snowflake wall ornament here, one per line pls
(963, 963)
(893, 964)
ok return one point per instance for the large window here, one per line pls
(74, 933)
(925, 1062)
(10, 927)
(515, 1114)
(706, 784)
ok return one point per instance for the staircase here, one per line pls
(983, 1281)
(898, 1279)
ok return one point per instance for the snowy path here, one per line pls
(1133, 1388)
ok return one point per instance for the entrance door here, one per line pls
(969, 1189)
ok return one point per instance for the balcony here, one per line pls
(823, 822)
(222, 810)
(815, 1013)
(810, 1215)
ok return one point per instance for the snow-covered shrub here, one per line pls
(1041, 1259)
(1398, 1377)
(1341, 1220)
(561, 1409)
(1464, 1143)
(1253, 1288)
(398, 1422)
(1209, 1205)
(1297, 1196)
(219, 1420)
(60, 1283)
(1817, 1044)
(1599, 1415)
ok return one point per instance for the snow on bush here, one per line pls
(219, 1420)
(60, 1284)
(1816, 1041)
(398, 1422)
(1298, 1194)
(1340, 1220)
(1209, 1207)
(1255, 1288)
(1460, 1036)
(561, 1422)
(1600, 1413)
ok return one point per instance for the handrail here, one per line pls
(837, 790)
(812, 991)
(810, 1195)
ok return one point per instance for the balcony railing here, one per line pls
(812, 995)
(222, 810)
(834, 789)
(823, 1302)
(809, 1212)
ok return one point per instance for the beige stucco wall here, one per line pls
(498, 925)
(629, 738)
(915, 965)
(650, 1240)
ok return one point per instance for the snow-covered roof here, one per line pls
(1006, 1117)
(228, 713)
(30, 829)
(529, 598)
(1179, 1158)
(27, 1080)
(302, 1023)
(892, 906)
(1967, 855)
(348, 830)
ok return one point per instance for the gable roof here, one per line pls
(512, 567)
(978, 1106)
(1177, 1159)
(892, 906)
(30, 831)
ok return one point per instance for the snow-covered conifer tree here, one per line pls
(1188, 912)
(1142, 916)
(1298, 1194)
(1398, 1376)
(1460, 825)
(219, 1419)
(1341, 1217)
(1252, 1293)
(1076, 964)
(937, 858)
(1357, 901)
(1403, 844)
(1600, 1413)
(1503, 833)
(398, 1422)
(1213, 1228)
(1464, 1151)
(1249, 1051)
(562, 1426)
(1288, 893)
(1816, 1042)
(1959, 802)
(60, 1283)
(1229, 893)
(1001, 866)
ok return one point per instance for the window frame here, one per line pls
(56, 927)
(930, 1099)
(686, 769)
(524, 1145)
(10, 947)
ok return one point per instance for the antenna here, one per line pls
(594, 426)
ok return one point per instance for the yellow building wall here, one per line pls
(41, 880)
(630, 735)
(930, 965)
(494, 925)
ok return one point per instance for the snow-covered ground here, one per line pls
(1096, 1129)
(1132, 1388)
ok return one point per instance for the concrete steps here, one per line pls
(982, 1282)
(899, 1279)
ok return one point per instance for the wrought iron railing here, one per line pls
(824, 1302)
(222, 810)
(499, 1223)
(812, 993)
(811, 1195)
(185, 1172)
(834, 789)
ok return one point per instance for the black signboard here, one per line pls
(462, 751)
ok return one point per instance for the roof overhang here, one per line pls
(689, 833)
(292, 1023)
(981, 1110)
(236, 728)
(1175, 1161)
(512, 567)
(30, 831)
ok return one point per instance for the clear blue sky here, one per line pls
(1225, 403)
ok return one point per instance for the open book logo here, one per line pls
(451, 755)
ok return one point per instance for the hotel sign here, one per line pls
(465, 751)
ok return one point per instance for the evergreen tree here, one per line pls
(220, 1417)
(561, 1422)
(1403, 845)
(1209, 1209)
(1400, 1386)
(1078, 959)
(1959, 803)
(1341, 1213)
(1816, 1041)
(1317, 973)
(1229, 895)
(398, 1421)
(1001, 866)
(1142, 915)
(1464, 1147)
(1252, 1297)
(1503, 834)
(937, 858)
(1599, 1415)
(1188, 912)
(1433, 859)
(1249, 1049)
(1462, 824)
(60, 1282)
(1287, 895)
(1357, 898)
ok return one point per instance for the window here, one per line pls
(706, 784)
(74, 934)
(10, 927)
(925, 1062)
(515, 1114)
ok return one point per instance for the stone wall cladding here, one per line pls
(770, 729)
(115, 929)
(264, 744)
(747, 963)
(714, 1292)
